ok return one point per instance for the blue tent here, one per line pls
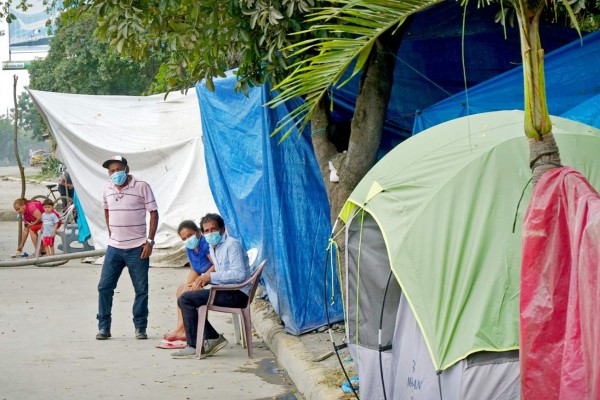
(272, 197)
(429, 62)
(572, 87)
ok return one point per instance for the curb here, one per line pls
(291, 354)
(8, 216)
(27, 180)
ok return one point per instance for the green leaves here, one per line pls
(80, 63)
(354, 27)
(205, 38)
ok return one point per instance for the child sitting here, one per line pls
(50, 224)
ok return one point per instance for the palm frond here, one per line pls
(356, 26)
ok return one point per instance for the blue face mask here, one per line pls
(213, 238)
(192, 242)
(119, 177)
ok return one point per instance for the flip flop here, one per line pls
(167, 344)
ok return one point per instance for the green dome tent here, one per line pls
(436, 216)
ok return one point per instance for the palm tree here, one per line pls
(367, 33)
(544, 153)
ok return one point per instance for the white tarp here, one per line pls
(162, 141)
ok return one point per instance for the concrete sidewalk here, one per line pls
(47, 320)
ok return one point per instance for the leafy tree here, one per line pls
(371, 35)
(26, 142)
(29, 118)
(206, 38)
(78, 62)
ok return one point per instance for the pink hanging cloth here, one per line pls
(560, 291)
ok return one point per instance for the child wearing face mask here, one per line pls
(200, 262)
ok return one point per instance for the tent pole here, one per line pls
(336, 348)
(51, 259)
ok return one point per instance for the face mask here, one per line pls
(119, 177)
(192, 242)
(213, 238)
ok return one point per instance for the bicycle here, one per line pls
(60, 202)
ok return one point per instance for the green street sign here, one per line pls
(8, 65)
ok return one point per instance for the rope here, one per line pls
(332, 245)
(419, 73)
(335, 348)
(519, 204)
(464, 67)
(380, 329)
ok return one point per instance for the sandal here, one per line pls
(167, 344)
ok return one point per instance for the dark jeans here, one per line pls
(189, 302)
(114, 262)
(63, 192)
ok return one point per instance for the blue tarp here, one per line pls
(429, 62)
(82, 225)
(272, 197)
(572, 88)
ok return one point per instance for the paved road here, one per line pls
(11, 190)
(48, 350)
(48, 347)
(47, 330)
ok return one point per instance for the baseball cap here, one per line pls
(114, 158)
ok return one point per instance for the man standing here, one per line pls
(231, 268)
(125, 202)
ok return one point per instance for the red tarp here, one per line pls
(560, 294)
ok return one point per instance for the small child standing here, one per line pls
(50, 224)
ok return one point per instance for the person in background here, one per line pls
(65, 184)
(198, 252)
(50, 224)
(31, 210)
(126, 201)
(231, 268)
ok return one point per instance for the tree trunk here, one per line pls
(544, 154)
(367, 124)
(17, 157)
(374, 93)
(15, 131)
(325, 151)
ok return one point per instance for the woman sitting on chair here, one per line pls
(200, 262)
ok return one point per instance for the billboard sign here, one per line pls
(28, 31)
